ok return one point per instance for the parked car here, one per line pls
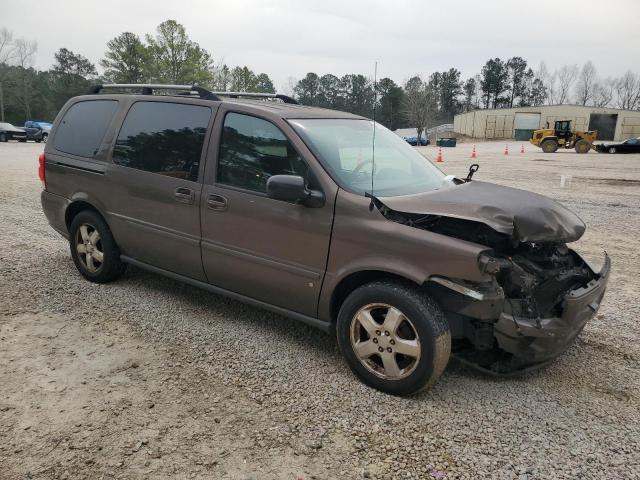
(413, 140)
(9, 132)
(284, 207)
(38, 131)
(630, 145)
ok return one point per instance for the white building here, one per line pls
(519, 122)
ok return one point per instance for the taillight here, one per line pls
(41, 172)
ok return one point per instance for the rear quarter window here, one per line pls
(83, 127)
(163, 138)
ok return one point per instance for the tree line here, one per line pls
(169, 55)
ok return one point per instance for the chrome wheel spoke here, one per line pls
(365, 349)
(84, 233)
(392, 320)
(89, 260)
(367, 322)
(391, 368)
(94, 237)
(82, 248)
(410, 348)
(97, 255)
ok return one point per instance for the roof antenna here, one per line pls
(373, 143)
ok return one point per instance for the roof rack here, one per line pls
(148, 88)
(279, 96)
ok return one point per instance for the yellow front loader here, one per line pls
(561, 136)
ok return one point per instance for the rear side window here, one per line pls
(82, 128)
(252, 150)
(163, 138)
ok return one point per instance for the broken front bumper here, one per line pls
(535, 341)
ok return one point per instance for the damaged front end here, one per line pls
(537, 298)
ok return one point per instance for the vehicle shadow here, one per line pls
(235, 313)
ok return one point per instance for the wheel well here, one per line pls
(75, 208)
(355, 280)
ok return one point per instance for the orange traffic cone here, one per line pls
(506, 149)
(473, 152)
(522, 148)
(439, 159)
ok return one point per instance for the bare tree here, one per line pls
(546, 84)
(627, 89)
(7, 47)
(603, 92)
(25, 51)
(7, 53)
(419, 104)
(566, 77)
(586, 83)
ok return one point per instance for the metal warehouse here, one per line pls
(519, 123)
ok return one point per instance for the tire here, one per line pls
(612, 150)
(45, 136)
(582, 146)
(84, 243)
(421, 331)
(549, 146)
(3, 138)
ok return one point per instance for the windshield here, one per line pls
(345, 146)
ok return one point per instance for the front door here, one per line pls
(32, 129)
(267, 249)
(155, 187)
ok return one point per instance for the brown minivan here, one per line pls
(322, 216)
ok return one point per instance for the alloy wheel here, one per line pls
(89, 247)
(385, 341)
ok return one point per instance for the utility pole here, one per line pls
(1, 104)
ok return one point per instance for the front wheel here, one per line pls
(93, 248)
(3, 138)
(394, 337)
(612, 150)
(549, 146)
(582, 146)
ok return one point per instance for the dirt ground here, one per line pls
(149, 378)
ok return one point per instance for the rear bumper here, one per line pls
(54, 208)
(534, 342)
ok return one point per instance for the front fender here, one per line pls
(364, 240)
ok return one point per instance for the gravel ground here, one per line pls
(149, 378)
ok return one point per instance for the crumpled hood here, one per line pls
(523, 215)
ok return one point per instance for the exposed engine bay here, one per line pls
(517, 320)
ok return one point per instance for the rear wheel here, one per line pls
(612, 150)
(93, 249)
(549, 146)
(394, 337)
(3, 138)
(45, 136)
(582, 146)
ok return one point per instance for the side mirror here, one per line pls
(292, 188)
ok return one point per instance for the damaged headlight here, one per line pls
(492, 265)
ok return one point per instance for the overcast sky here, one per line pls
(287, 38)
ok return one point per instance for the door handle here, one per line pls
(217, 202)
(184, 195)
